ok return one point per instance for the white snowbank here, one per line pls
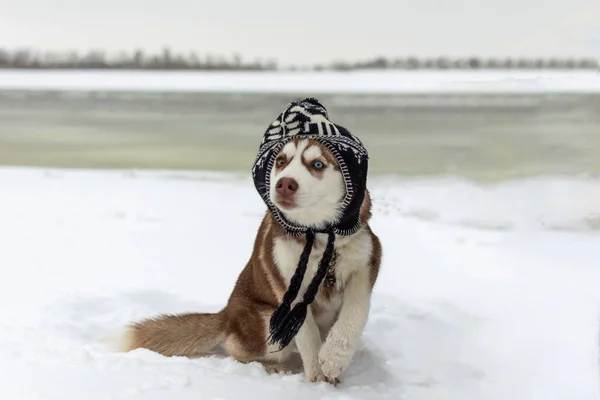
(377, 81)
(485, 292)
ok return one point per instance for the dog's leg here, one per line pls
(340, 345)
(308, 343)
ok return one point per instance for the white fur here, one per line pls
(318, 200)
(312, 152)
(119, 341)
(308, 342)
(342, 341)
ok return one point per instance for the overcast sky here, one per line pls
(309, 31)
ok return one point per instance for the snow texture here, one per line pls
(486, 292)
(375, 81)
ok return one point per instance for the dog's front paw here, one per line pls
(320, 377)
(334, 357)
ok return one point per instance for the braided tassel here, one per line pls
(284, 308)
(283, 330)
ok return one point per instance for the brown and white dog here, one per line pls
(308, 188)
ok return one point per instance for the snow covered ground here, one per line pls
(485, 293)
(375, 81)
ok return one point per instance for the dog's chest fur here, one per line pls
(353, 254)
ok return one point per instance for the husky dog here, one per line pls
(306, 187)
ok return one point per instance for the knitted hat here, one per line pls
(309, 119)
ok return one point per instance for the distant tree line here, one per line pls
(438, 63)
(138, 59)
(169, 60)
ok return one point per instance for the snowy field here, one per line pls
(375, 81)
(485, 292)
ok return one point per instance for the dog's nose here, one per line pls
(286, 186)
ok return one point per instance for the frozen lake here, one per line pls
(546, 124)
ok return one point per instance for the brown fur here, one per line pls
(189, 334)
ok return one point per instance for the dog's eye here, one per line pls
(318, 164)
(280, 161)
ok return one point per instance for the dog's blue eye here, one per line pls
(318, 164)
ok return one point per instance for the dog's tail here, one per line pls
(188, 335)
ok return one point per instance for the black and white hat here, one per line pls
(308, 118)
